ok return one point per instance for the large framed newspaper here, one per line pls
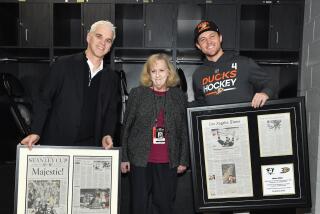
(244, 158)
(67, 180)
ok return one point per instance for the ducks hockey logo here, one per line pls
(220, 82)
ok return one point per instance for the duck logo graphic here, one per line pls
(203, 26)
(270, 171)
(220, 82)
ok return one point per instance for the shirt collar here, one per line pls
(92, 71)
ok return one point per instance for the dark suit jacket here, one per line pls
(57, 112)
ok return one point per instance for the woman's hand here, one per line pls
(181, 169)
(125, 167)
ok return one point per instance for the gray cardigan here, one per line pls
(136, 134)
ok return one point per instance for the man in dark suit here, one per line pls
(77, 105)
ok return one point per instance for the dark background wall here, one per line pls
(34, 32)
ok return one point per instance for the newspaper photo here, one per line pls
(278, 179)
(227, 157)
(275, 134)
(92, 185)
(47, 184)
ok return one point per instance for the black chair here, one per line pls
(183, 82)
(14, 95)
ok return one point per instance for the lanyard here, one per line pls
(156, 109)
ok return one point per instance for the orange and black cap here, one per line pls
(204, 26)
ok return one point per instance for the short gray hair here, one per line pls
(105, 23)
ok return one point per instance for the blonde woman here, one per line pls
(154, 137)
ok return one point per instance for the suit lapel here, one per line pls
(104, 88)
(79, 71)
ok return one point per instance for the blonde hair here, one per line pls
(107, 24)
(145, 78)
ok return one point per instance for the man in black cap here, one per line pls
(226, 77)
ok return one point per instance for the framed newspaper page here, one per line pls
(67, 180)
(245, 159)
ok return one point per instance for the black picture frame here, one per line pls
(296, 190)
